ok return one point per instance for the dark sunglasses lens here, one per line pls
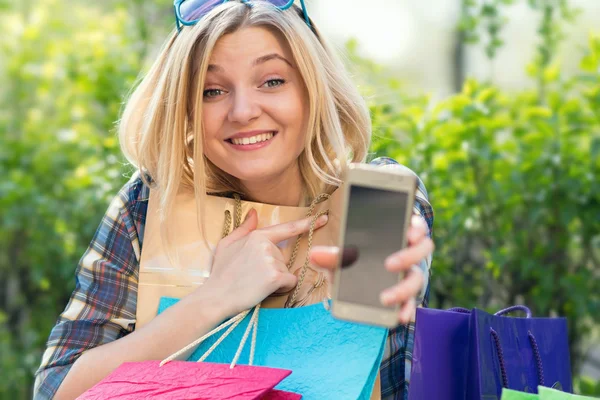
(192, 10)
(279, 3)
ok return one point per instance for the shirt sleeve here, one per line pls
(102, 307)
(423, 208)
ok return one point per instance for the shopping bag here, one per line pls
(508, 394)
(516, 353)
(440, 355)
(445, 348)
(169, 379)
(188, 264)
(281, 395)
(544, 394)
(189, 380)
(330, 359)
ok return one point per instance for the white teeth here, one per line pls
(254, 139)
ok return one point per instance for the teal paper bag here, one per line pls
(329, 358)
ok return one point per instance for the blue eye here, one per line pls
(211, 93)
(271, 83)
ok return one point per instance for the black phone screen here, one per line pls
(374, 230)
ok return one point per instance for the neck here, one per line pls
(284, 189)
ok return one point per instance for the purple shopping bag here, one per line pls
(445, 368)
(440, 355)
(516, 353)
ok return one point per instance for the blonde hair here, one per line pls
(161, 137)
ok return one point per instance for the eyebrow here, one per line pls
(258, 61)
(269, 57)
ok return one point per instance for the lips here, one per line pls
(262, 137)
(251, 137)
(251, 140)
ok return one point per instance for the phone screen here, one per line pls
(374, 230)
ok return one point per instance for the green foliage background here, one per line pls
(512, 176)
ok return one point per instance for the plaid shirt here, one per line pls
(102, 308)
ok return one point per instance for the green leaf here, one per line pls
(590, 63)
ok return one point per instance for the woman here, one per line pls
(244, 97)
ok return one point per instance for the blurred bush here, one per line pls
(587, 386)
(64, 67)
(512, 176)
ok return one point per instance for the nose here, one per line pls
(244, 108)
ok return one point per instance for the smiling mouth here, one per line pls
(263, 137)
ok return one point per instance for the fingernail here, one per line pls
(403, 319)
(417, 220)
(406, 314)
(391, 262)
(249, 213)
(386, 298)
(323, 219)
(326, 249)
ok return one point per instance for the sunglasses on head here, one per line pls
(189, 12)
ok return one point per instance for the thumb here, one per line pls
(326, 257)
(249, 224)
(287, 283)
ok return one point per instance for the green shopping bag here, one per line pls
(551, 394)
(508, 394)
(544, 394)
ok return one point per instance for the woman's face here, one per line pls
(254, 107)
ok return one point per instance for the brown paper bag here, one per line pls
(178, 277)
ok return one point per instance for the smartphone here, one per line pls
(377, 205)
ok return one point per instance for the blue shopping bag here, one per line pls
(329, 358)
(461, 354)
(516, 353)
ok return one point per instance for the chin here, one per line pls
(251, 174)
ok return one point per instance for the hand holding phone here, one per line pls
(376, 215)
